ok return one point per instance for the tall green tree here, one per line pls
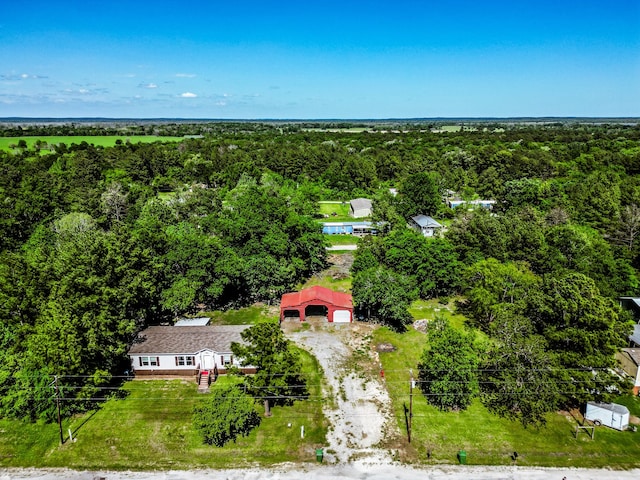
(381, 294)
(419, 194)
(518, 377)
(585, 330)
(277, 379)
(199, 270)
(440, 272)
(448, 368)
(492, 286)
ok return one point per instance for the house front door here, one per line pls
(207, 361)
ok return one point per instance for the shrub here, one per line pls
(227, 414)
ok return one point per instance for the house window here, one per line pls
(183, 360)
(149, 361)
(226, 359)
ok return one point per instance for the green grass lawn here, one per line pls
(336, 284)
(488, 439)
(334, 240)
(632, 402)
(428, 309)
(104, 141)
(242, 316)
(341, 211)
(151, 428)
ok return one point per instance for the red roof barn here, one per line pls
(336, 306)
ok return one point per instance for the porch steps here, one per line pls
(203, 386)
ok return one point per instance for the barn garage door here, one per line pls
(342, 316)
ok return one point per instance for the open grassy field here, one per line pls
(103, 141)
(488, 439)
(242, 316)
(340, 209)
(151, 428)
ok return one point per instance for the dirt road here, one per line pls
(360, 408)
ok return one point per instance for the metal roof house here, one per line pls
(359, 229)
(425, 225)
(185, 351)
(457, 202)
(360, 207)
(337, 307)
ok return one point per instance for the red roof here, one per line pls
(316, 294)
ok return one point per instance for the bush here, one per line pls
(227, 414)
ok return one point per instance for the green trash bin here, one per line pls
(319, 454)
(462, 457)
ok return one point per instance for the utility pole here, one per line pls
(55, 382)
(411, 384)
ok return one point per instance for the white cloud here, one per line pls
(148, 85)
(185, 75)
(21, 76)
(188, 95)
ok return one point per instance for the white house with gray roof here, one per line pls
(360, 207)
(186, 351)
(425, 225)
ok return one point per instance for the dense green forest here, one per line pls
(97, 243)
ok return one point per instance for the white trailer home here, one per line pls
(609, 414)
(186, 351)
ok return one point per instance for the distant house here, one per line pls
(186, 350)
(629, 359)
(457, 202)
(337, 307)
(425, 225)
(360, 207)
(359, 229)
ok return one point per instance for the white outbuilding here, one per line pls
(360, 207)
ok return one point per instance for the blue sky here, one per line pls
(320, 58)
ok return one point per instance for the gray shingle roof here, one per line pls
(186, 340)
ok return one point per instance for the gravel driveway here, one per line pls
(360, 413)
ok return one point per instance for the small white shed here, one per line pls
(609, 414)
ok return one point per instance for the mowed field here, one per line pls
(8, 143)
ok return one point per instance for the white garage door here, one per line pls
(341, 316)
